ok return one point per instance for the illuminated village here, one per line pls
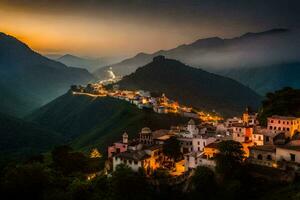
(143, 100)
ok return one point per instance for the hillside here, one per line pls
(19, 138)
(235, 57)
(191, 86)
(285, 102)
(30, 80)
(91, 122)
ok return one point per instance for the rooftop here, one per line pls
(136, 155)
(283, 117)
(268, 148)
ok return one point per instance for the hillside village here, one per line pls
(275, 146)
(143, 100)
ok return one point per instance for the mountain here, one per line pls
(19, 138)
(96, 122)
(264, 79)
(191, 86)
(276, 47)
(29, 79)
(75, 61)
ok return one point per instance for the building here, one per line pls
(264, 155)
(118, 147)
(145, 136)
(147, 158)
(288, 125)
(242, 133)
(195, 143)
(249, 118)
(288, 153)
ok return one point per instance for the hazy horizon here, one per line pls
(118, 28)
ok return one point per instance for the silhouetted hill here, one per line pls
(191, 86)
(19, 138)
(30, 80)
(96, 122)
(233, 58)
(284, 102)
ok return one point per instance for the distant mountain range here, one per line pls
(91, 64)
(90, 122)
(29, 80)
(191, 86)
(235, 58)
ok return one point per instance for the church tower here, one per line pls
(125, 138)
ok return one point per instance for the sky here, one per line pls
(98, 28)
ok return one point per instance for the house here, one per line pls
(288, 153)
(195, 143)
(194, 159)
(242, 133)
(288, 125)
(249, 118)
(147, 158)
(264, 155)
(211, 149)
(118, 147)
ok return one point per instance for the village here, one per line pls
(143, 100)
(275, 146)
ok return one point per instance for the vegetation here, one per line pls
(20, 139)
(284, 102)
(96, 122)
(171, 149)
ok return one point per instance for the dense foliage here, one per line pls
(285, 102)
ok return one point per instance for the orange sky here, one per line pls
(98, 30)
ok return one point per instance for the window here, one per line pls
(269, 157)
(279, 128)
(267, 139)
(198, 148)
(270, 127)
(272, 121)
(259, 137)
(293, 157)
(287, 122)
(278, 121)
(204, 144)
(259, 157)
(288, 129)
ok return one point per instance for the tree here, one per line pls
(203, 183)
(67, 161)
(126, 184)
(229, 158)
(171, 148)
(28, 181)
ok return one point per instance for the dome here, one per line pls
(146, 130)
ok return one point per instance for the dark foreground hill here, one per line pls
(19, 139)
(29, 80)
(96, 122)
(191, 86)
